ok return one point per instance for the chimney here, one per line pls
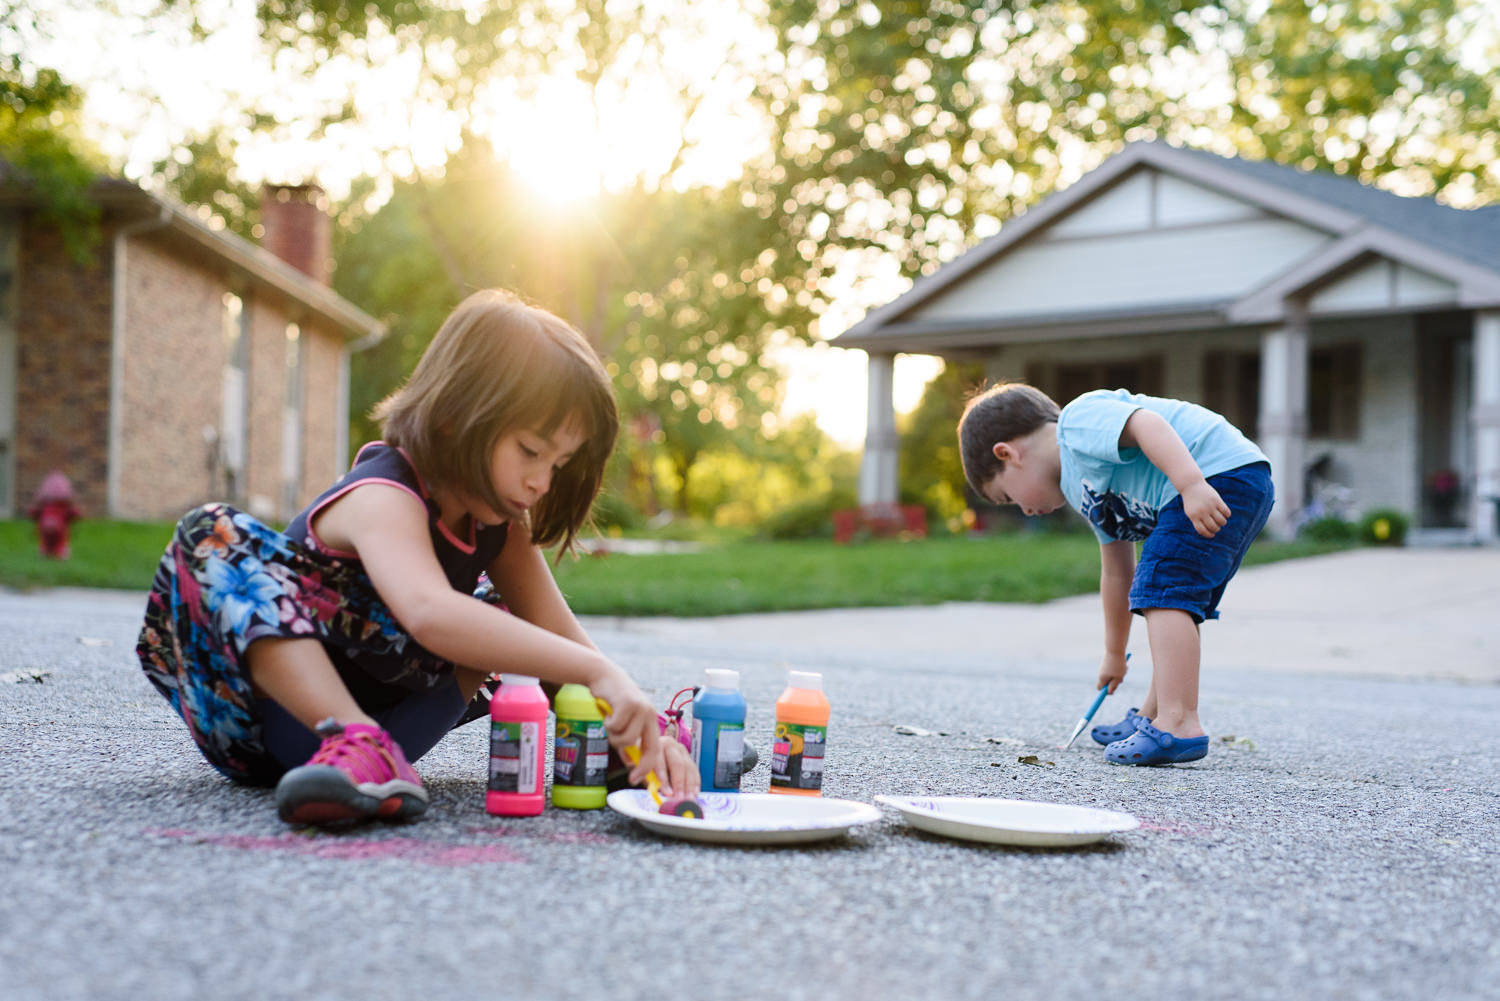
(296, 228)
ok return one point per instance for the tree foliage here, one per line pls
(672, 287)
(201, 171)
(40, 142)
(898, 133)
(912, 127)
(929, 467)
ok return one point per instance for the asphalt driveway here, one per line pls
(1340, 841)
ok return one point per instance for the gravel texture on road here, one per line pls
(1340, 841)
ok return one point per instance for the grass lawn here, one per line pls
(115, 554)
(720, 579)
(780, 576)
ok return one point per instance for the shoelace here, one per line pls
(361, 754)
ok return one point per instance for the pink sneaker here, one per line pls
(359, 772)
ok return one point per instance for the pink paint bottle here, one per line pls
(518, 745)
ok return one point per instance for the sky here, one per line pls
(147, 85)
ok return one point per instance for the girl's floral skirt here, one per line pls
(227, 580)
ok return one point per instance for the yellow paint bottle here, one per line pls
(580, 750)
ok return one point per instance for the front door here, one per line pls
(8, 238)
(1445, 356)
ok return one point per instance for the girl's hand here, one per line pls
(632, 721)
(681, 777)
(1112, 672)
(1205, 508)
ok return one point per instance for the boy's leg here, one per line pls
(1148, 704)
(1175, 652)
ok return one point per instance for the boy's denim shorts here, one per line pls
(1179, 568)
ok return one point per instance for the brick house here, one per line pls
(1353, 333)
(179, 363)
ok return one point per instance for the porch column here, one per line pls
(877, 470)
(1486, 418)
(1283, 417)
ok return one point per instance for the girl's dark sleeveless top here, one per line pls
(462, 560)
(379, 678)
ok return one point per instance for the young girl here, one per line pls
(325, 658)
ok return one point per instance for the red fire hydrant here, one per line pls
(54, 512)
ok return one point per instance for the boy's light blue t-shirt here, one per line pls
(1118, 490)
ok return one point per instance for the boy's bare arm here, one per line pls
(1155, 438)
(1116, 569)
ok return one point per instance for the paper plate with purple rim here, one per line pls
(1009, 821)
(748, 818)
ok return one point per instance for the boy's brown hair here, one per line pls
(1004, 412)
(498, 365)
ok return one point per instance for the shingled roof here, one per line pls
(1458, 245)
(1473, 234)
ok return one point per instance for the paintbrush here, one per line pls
(1098, 701)
(680, 806)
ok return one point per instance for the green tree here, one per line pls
(908, 128)
(929, 469)
(682, 287)
(672, 286)
(41, 144)
(1372, 90)
(201, 171)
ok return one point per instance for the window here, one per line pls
(235, 398)
(1065, 382)
(291, 422)
(1333, 391)
(9, 239)
(1231, 387)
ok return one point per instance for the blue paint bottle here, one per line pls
(719, 731)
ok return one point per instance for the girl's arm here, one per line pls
(1150, 433)
(387, 527)
(521, 576)
(1116, 570)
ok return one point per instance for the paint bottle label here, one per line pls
(513, 757)
(797, 756)
(580, 752)
(728, 741)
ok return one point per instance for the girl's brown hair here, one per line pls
(1004, 412)
(495, 366)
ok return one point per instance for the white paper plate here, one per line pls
(1009, 821)
(749, 818)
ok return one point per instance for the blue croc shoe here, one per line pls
(1150, 746)
(1108, 733)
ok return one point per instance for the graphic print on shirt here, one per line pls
(1116, 515)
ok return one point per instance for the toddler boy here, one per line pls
(1170, 474)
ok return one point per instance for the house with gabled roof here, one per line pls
(177, 362)
(1353, 333)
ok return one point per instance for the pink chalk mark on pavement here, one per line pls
(333, 846)
(355, 849)
(1168, 827)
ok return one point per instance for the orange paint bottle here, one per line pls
(801, 738)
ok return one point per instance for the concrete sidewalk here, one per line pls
(1387, 613)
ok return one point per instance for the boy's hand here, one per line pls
(1205, 508)
(1112, 671)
